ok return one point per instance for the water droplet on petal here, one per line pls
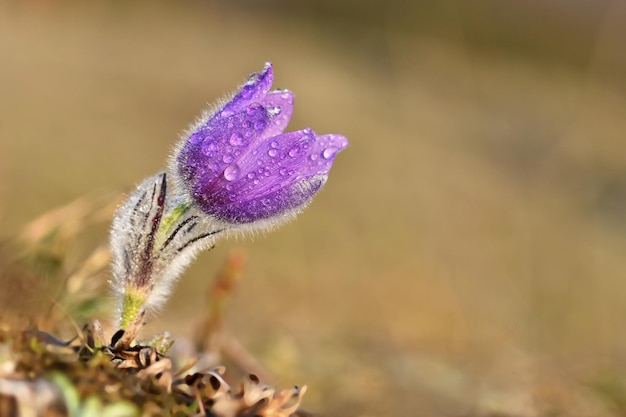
(260, 124)
(329, 152)
(272, 152)
(232, 172)
(313, 157)
(251, 175)
(227, 158)
(283, 171)
(246, 91)
(253, 108)
(236, 139)
(274, 111)
(274, 144)
(208, 147)
(294, 151)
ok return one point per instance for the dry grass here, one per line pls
(103, 371)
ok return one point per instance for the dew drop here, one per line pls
(227, 158)
(313, 157)
(283, 171)
(260, 124)
(253, 108)
(274, 144)
(272, 152)
(236, 139)
(246, 91)
(274, 111)
(329, 152)
(208, 148)
(251, 175)
(232, 172)
(294, 151)
(255, 182)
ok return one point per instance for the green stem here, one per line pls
(132, 304)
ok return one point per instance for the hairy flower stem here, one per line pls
(132, 305)
(135, 298)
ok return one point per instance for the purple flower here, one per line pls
(239, 166)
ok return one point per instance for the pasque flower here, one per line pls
(239, 166)
(234, 169)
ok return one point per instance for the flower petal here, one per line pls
(281, 201)
(254, 90)
(280, 105)
(211, 149)
(280, 173)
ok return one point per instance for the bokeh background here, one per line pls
(468, 254)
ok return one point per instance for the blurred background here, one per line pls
(467, 256)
